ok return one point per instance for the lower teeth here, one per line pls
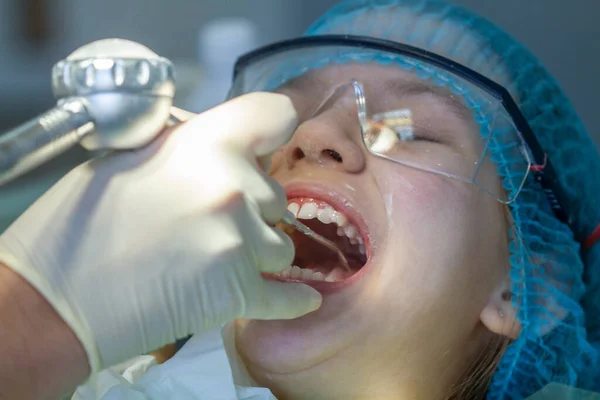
(307, 274)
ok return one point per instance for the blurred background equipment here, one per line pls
(220, 43)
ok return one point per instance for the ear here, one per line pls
(499, 316)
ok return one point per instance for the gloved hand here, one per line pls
(138, 249)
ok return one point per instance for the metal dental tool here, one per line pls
(290, 219)
(112, 94)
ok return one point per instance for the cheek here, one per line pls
(425, 207)
(437, 247)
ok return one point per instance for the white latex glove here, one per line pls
(138, 249)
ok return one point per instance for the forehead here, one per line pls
(383, 85)
(371, 75)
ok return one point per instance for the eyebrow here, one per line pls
(413, 88)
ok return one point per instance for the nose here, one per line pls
(329, 139)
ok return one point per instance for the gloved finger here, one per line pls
(274, 251)
(259, 122)
(267, 194)
(283, 301)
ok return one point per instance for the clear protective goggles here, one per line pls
(400, 130)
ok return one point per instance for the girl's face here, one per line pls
(417, 314)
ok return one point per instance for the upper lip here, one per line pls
(334, 197)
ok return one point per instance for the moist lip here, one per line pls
(339, 203)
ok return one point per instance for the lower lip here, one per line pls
(322, 286)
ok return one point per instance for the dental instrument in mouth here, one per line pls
(289, 219)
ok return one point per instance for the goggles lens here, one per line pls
(406, 110)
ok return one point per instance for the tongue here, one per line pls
(324, 267)
(327, 266)
(318, 258)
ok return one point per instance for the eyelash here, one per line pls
(426, 139)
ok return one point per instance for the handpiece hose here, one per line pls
(43, 138)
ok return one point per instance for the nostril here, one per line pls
(333, 154)
(298, 154)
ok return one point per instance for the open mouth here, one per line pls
(314, 263)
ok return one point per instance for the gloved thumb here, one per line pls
(258, 122)
(284, 301)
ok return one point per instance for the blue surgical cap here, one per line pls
(550, 270)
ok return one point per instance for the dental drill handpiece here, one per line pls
(113, 94)
(290, 219)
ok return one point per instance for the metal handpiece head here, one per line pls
(127, 89)
(290, 220)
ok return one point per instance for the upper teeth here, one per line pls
(327, 214)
